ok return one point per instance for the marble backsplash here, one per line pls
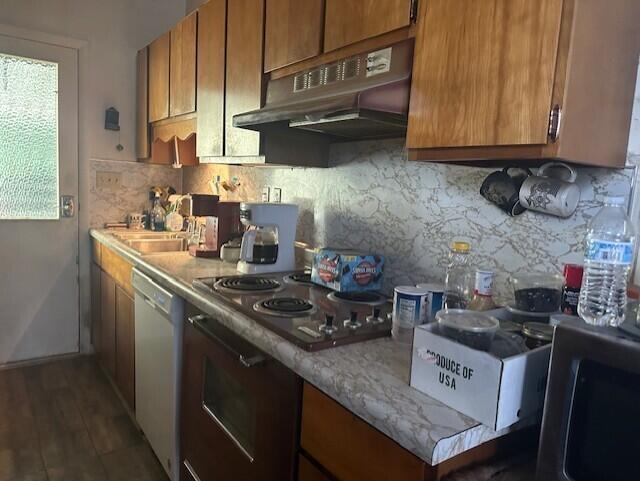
(132, 195)
(375, 200)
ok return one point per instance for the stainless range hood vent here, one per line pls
(359, 97)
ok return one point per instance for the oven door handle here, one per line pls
(200, 323)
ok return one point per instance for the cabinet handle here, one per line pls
(413, 11)
(192, 472)
(200, 322)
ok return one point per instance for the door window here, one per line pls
(28, 138)
(231, 405)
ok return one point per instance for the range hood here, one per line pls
(360, 97)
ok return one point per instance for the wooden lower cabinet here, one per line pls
(349, 448)
(338, 445)
(113, 322)
(96, 294)
(107, 347)
(125, 347)
(307, 471)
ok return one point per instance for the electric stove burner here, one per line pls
(285, 306)
(247, 285)
(367, 298)
(299, 278)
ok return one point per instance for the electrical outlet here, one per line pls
(265, 194)
(108, 180)
(277, 195)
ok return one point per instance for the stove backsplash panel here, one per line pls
(374, 200)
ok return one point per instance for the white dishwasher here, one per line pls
(158, 344)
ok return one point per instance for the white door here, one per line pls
(39, 314)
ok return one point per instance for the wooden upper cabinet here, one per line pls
(350, 21)
(211, 72)
(483, 73)
(244, 76)
(293, 31)
(142, 104)
(182, 85)
(159, 51)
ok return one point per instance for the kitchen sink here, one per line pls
(156, 245)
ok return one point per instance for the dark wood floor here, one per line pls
(62, 421)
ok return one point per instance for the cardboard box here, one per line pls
(493, 391)
(347, 270)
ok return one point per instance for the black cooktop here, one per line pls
(299, 278)
(247, 284)
(299, 311)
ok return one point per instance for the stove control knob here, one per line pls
(328, 327)
(375, 318)
(352, 323)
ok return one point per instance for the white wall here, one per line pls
(193, 4)
(112, 31)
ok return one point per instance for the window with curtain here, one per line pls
(28, 138)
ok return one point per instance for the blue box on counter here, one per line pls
(347, 270)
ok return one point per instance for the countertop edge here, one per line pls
(302, 363)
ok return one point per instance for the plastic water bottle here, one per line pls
(457, 288)
(607, 262)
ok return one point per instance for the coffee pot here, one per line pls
(268, 242)
(260, 245)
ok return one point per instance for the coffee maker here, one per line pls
(268, 242)
(211, 223)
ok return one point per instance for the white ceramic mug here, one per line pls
(551, 195)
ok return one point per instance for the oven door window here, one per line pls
(231, 406)
(604, 428)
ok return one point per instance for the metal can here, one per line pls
(409, 306)
(435, 294)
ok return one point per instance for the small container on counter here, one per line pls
(537, 292)
(537, 334)
(409, 311)
(571, 289)
(435, 293)
(482, 292)
(473, 329)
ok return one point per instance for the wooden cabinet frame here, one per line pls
(593, 84)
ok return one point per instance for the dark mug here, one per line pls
(503, 189)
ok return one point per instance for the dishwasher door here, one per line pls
(158, 343)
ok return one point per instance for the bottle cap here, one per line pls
(573, 275)
(460, 246)
(614, 200)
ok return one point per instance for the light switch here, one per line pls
(277, 195)
(108, 180)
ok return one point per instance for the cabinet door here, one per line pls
(293, 31)
(96, 313)
(142, 104)
(348, 447)
(483, 73)
(182, 77)
(349, 21)
(125, 347)
(308, 472)
(159, 78)
(244, 73)
(107, 352)
(211, 70)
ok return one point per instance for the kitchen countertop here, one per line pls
(371, 379)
